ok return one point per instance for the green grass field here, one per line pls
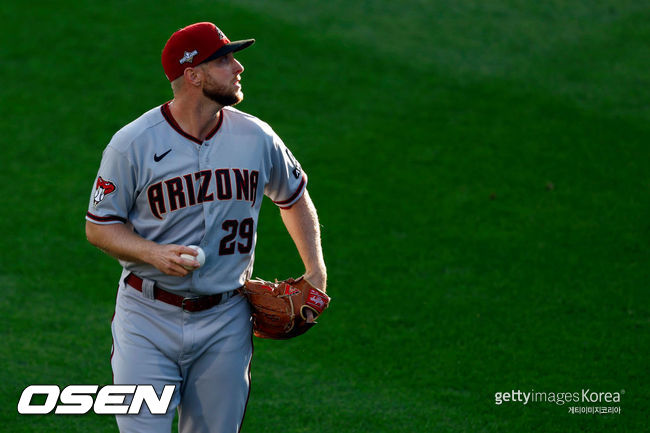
(481, 175)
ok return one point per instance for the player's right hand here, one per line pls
(167, 259)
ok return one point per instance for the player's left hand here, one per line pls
(284, 309)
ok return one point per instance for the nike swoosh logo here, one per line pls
(158, 158)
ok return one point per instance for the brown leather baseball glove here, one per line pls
(279, 308)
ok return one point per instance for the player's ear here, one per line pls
(193, 76)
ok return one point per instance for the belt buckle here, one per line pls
(188, 299)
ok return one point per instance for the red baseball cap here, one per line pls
(195, 44)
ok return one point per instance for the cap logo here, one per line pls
(188, 57)
(221, 35)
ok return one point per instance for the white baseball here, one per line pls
(199, 258)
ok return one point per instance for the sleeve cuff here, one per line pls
(110, 219)
(285, 204)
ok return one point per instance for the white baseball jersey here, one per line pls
(175, 189)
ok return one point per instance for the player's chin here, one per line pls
(234, 97)
(224, 98)
(238, 97)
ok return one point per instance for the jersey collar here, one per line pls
(167, 114)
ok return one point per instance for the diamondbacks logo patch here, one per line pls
(102, 189)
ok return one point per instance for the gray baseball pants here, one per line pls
(206, 354)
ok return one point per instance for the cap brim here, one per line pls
(230, 48)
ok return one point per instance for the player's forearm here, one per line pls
(302, 224)
(119, 241)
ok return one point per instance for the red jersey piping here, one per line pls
(167, 114)
(105, 219)
(299, 190)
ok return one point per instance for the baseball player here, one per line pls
(194, 171)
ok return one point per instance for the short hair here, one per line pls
(177, 85)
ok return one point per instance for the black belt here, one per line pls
(192, 305)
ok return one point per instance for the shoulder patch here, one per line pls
(102, 189)
(297, 169)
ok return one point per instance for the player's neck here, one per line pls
(197, 118)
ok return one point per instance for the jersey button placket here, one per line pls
(204, 164)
